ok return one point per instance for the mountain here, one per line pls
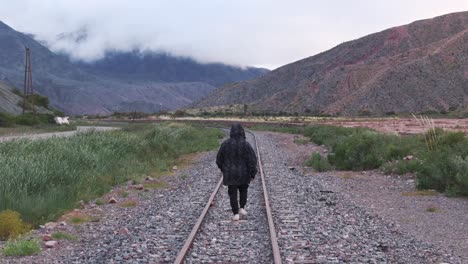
(418, 67)
(120, 82)
(163, 67)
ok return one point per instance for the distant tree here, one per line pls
(179, 113)
(6, 120)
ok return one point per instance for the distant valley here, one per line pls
(122, 81)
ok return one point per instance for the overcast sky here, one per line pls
(267, 33)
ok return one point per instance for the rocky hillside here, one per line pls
(8, 100)
(418, 67)
(102, 87)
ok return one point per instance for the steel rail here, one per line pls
(271, 226)
(188, 243)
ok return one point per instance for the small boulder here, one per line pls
(131, 182)
(175, 168)
(410, 157)
(291, 168)
(51, 244)
(139, 187)
(50, 225)
(112, 200)
(46, 237)
(149, 178)
(124, 231)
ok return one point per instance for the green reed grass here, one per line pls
(42, 179)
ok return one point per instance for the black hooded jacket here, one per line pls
(236, 158)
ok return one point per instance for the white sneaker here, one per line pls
(235, 217)
(242, 211)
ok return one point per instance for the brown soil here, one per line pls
(403, 125)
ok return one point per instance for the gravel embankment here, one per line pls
(319, 226)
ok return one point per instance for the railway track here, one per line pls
(214, 238)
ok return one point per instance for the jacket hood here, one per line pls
(237, 131)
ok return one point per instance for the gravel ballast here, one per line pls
(315, 224)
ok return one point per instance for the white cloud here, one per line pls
(241, 32)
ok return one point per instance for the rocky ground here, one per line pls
(317, 220)
(427, 216)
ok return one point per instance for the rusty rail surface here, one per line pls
(271, 226)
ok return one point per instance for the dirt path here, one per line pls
(430, 217)
(79, 129)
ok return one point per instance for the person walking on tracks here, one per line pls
(237, 161)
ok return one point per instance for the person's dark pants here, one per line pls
(232, 191)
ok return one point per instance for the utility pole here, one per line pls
(28, 87)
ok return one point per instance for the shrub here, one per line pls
(58, 113)
(357, 152)
(460, 184)
(402, 167)
(318, 162)
(17, 92)
(444, 172)
(180, 113)
(329, 135)
(6, 120)
(11, 225)
(42, 101)
(21, 247)
(29, 119)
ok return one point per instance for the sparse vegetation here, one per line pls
(301, 141)
(124, 194)
(318, 162)
(128, 204)
(62, 235)
(154, 185)
(79, 219)
(21, 247)
(440, 158)
(99, 202)
(42, 179)
(432, 209)
(11, 225)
